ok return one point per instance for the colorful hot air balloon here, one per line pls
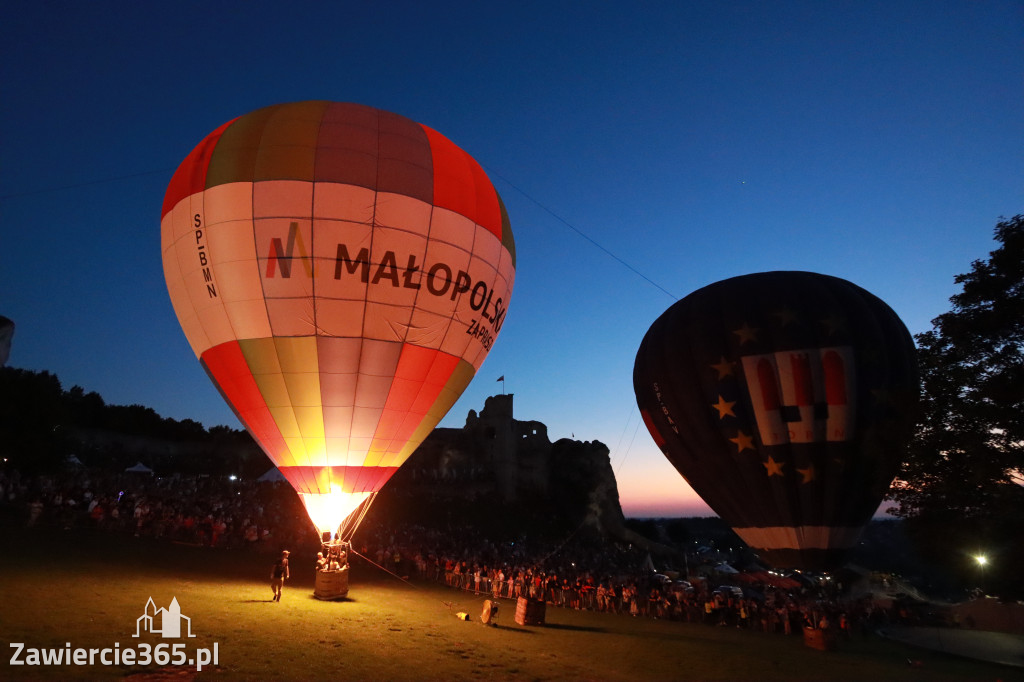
(341, 273)
(786, 400)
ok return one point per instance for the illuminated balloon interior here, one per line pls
(331, 511)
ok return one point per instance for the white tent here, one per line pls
(139, 468)
(272, 476)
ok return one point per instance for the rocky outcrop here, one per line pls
(567, 484)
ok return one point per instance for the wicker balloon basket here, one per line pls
(331, 584)
(823, 640)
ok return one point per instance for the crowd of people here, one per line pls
(599, 575)
(201, 510)
(583, 572)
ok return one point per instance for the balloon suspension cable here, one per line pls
(352, 550)
(349, 526)
(617, 465)
(556, 550)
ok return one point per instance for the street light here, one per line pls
(982, 562)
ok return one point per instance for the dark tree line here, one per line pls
(961, 489)
(42, 425)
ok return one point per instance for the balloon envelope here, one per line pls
(341, 273)
(786, 400)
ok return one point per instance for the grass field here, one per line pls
(65, 588)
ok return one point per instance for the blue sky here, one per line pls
(875, 141)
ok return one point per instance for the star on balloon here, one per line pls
(785, 316)
(724, 368)
(743, 441)
(746, 333)
(774, 468)
(724, 407)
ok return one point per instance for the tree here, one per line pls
(33, 434)
(960, 489)
(41, 424)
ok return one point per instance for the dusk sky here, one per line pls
(643, 151)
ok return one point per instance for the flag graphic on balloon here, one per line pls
(803, 395)
(341, 273)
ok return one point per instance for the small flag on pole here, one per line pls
(501, 378)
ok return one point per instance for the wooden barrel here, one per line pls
(823, 640)
(490, 612)
(530, 611)
(331, 584)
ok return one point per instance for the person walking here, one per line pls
(278, 574)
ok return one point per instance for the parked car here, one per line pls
(682, 586)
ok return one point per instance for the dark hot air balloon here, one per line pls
(786, 400)
(341, 273)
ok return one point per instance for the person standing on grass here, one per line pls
(278, 574)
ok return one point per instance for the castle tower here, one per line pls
(499, 443)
